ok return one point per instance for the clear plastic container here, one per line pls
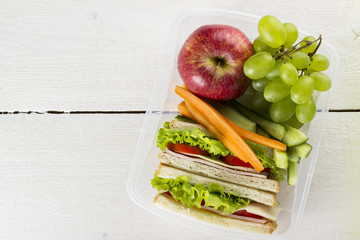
(163, 107)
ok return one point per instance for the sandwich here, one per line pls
(199, 177)
(215, 176)
(188, 145)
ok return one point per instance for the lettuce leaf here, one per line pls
(192, 137)
(193, 196)
(268, 162)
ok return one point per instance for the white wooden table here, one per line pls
(63, 176)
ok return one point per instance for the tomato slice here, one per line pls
(183, 148)
(245, 213)
(235, 161)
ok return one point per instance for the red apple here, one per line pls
(211, 62)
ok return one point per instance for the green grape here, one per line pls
(259, 85)
(300, 60)
(275, 71)
(258, 44)
(302, 90)
(276, 90)
(292, 34)
(321, 80)
(258, 65)
(288, 73)
(319, 62)
(259, 104)
(282, 110)
(272, 31)
(310, 48)
(294, 122)
(270, 50)
(306, 112)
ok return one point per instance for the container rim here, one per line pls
(133, 174)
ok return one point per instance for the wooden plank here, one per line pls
(83, 55)
(64, 177)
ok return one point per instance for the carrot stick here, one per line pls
(202, 120)
(205, 122)
(184, 111)
(238, 145)
(246, 134)
(256, 138)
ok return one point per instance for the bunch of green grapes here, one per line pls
(286, 74)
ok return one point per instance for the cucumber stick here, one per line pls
(281, 159)
(294, 122)
(184, 119)
(293, 156)
(262, 132)
(294, 137)
(303, 150)
(276, 130)
(292, 174)
(230, 113)
(247, 98)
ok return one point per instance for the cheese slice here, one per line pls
(262, 210)
(270, 213)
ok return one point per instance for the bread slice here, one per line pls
(168, 202)
(217, 173)
(260, 196)
(176, 124)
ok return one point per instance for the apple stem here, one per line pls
(218, 62)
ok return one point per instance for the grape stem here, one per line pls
(302, 72)
(317, 47)
(293, 49)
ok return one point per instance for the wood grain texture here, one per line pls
(64, 177)
(91, 55)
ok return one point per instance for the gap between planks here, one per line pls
(72, 112)
(118, 112)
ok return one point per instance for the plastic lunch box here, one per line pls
(163, 107)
